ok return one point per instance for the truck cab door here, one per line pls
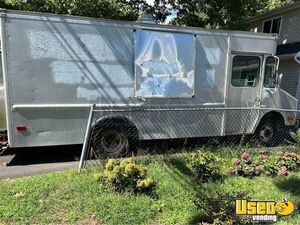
(243, 92)
(271, 95)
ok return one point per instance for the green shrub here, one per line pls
(125, 176)
(266, 163)
(296, 137)
(206, 165)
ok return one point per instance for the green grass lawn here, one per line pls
(71, 198)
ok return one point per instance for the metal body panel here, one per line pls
(167, 122)
(2, 99)
(64, 63)
(248, 44)
(277, 98)
(211, 68)
(5, 77)
(69, 63)
(47, 127)
(57, 66)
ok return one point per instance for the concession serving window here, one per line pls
(164, 64)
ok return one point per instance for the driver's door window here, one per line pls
(270, 79)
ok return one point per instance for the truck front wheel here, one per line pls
(265, 133)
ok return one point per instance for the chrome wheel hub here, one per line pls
(266, 133)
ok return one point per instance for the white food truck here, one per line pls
(165, 81)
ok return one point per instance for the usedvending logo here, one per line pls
(264, 211)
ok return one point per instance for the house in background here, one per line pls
(285, 22)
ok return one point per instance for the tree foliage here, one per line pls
(109, 9)
(226, 14)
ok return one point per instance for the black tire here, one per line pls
(266, 133)
(110, 141)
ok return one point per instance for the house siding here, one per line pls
(290, 29)
(290, 71)
(290, 26)
(289, 34)
(290, 80)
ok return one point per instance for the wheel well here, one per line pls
(273, 116)
(119, 121)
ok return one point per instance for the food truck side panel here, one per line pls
(57, 66)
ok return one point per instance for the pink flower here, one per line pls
(232, 171)
(264, 157)
(290, 154)
(283, 171)
(246, 156)
(238, 168)
(280, 153)
(293, 155)
(258, 170)
(236, 162)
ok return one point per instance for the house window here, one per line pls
(245, 71)
(272, 26)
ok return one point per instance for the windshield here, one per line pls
(270, 72)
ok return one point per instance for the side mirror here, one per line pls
(297, 57)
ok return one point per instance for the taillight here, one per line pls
(21, 128)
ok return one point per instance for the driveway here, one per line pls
(29, 161)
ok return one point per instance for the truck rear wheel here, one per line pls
(110, 142)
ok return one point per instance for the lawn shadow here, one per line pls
(178, 169)
(290, 184)
(179, 145)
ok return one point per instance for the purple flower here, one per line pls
(283, 171)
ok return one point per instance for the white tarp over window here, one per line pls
(164, 64)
